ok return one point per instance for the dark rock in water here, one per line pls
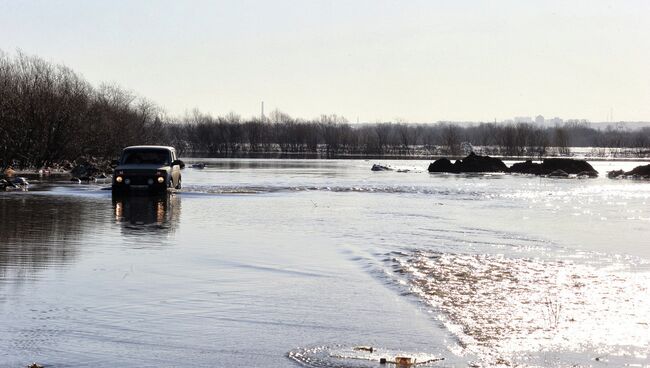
(528, 167)
(615, 174)
(84, 169)
(470, 164)
(476, 163)
(441, 165)
(377, 167)
(19, 181)
(641, 171)
(570, 166)
(199, 165)
(558, 174)
(549, 165)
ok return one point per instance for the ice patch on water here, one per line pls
(341, 356)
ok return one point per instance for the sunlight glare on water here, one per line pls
(502, 307)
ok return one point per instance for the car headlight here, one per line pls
(161, 179)
(118, 179)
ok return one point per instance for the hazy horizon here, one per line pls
(366, 60)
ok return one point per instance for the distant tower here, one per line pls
(262, 115)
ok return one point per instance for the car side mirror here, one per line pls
(179, 163)
(114, 163)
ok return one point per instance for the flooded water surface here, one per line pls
(283, 263)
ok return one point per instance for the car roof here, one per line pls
(150, 147)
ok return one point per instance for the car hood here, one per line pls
(142, 167)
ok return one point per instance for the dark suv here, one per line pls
(147, 168)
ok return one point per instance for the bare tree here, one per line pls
(451, 139)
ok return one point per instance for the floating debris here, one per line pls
(404, 361)
(364, 348)
(34, 365)
(360, 356)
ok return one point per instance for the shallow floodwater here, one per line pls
(281, 263)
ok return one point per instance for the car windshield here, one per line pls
(150, 156)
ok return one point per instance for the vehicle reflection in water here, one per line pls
(147, 214)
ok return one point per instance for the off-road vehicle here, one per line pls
(152, 169)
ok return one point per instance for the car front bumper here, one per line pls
(140, 182)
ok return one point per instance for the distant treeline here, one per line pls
(49, 114)
(333, 136)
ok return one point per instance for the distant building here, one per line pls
(539, 120)
(523, 119)
(555, 121)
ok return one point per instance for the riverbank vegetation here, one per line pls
(49, 115)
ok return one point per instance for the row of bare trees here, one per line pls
(331, 136)
(49, 114)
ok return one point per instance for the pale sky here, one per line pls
(420, 61)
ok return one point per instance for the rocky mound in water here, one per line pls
(555, 166)
(378, 167)
(642, 171)
(470, 164)
(87, 168)
(14, 183)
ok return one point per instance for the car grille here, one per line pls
(140, 178)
